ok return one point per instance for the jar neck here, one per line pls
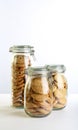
(56, 68)
(26, 54)
(33, 71)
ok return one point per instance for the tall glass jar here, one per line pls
(38, 98)
(21, 59)
(59, 85)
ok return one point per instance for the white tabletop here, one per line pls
(16, 119)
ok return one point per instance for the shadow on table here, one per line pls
(11, 111)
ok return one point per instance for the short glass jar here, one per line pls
(21, 59)
(38, 98)
(59, 85)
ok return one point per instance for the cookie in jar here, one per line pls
(21, 59)
(59, 85)
(38, 98)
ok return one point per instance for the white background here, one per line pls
(51, 26)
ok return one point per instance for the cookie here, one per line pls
(58, 106)
(19, 59)
(38, 83)
(63, 101)
(39, 97)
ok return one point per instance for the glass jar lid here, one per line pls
(56, 68)
(21, 49)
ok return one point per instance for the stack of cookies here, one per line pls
(39, 99)
(18, 80)
(59, 85)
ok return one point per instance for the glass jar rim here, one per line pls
(56, 68)
(21, 49)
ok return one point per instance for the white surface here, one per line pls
(16, 119)
(50, 25)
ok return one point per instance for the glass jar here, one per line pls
(59, 85)
(38, 98)
(21, 59)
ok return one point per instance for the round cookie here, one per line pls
(39, 85)
(58, 106)
(39, 97)
(36, 85)
(17, 83)
(62, 101)
(19, 59)
(58, 94)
